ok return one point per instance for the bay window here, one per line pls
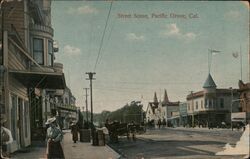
(38, 50)
(50, 53)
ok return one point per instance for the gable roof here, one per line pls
(153, 106)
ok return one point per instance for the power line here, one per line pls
(99, 51)
(108, 39)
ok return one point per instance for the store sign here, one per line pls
(241, 116)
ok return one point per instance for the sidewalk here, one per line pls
(72, 150)
(82, 150)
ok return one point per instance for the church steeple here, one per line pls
(155, 98)
(165, 98)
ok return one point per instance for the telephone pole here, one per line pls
(86, 101)
(91, 95)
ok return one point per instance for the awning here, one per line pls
(73, 109)
(174, 117)
(44, 80)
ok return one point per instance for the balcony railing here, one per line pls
(46, 29)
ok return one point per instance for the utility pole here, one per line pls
(91, 96)
(86, 101)
(231, 107)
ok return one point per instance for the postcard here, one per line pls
(124, 79)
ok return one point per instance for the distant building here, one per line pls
(183, 113)
(151, 111)
(169, 111)
(244, 90)
(163, 110)
(211, 106)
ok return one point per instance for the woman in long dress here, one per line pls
(54, 138)
(74, 131)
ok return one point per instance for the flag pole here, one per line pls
(208, 61)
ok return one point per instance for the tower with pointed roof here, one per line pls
(209, 85)
(165, 98)
(155, 98)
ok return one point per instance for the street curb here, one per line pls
(122, 155)
(108, 146)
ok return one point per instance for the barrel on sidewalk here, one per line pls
(95, 138)
(101, 138)
(84, 135)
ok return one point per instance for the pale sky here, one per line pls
(141, 56)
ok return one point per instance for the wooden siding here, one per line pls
(14, 63)
(17, 88)
(14, 17)
(16, 58)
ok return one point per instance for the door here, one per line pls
(20, 124)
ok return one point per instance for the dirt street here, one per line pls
(178, 143)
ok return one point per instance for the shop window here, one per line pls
(196, 105)
(222, 102)
(201, 103)
(38, 50)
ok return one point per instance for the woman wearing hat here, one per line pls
(74, 132)
(54, 137)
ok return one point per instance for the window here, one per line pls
(188, 106)
(66, 101)
(196, 105)
(50, 53)
(38, 50)
(222, 102)
(201, 103)
(206, 103)
(210, 103)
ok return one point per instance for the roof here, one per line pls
(153, 106)
(51, 80)
(226, 91)
(243, 86)
(218, 92)
(165, 98)
(209, 83)
(155, 98)
(195, 95)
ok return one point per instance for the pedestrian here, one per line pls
(74, 131)
(54, 138)
(6, 138)
(164, 123)
(159, 123)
